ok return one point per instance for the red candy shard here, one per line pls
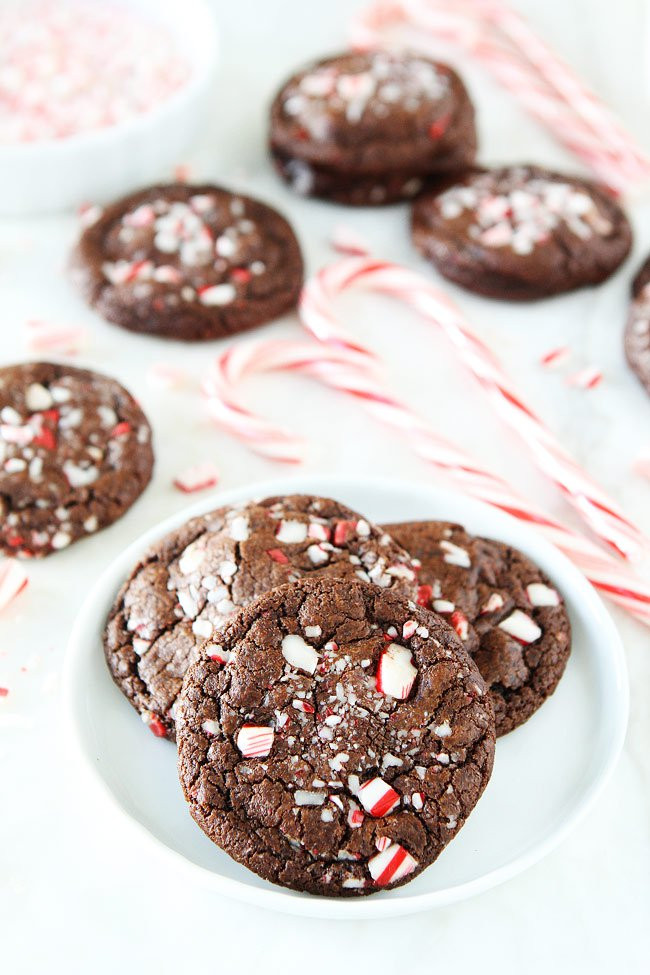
(4, 691)
(120, 429)
(241, 274)
(278, 556)
(45, 438)
(158, 728)
(460, 623)
(425, 595)
(439, 127)
(343, 530)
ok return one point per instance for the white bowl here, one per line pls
(100, 165)
(546, 775)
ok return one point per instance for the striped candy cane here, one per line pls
(492, 34)
(600, 513)
(358, 377)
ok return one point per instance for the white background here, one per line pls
(77, 893)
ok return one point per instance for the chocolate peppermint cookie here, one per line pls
(512, 619)
(521, 232)
(337, 740)
(191, 581)
(369, 127)
(637, 330)
(189, 262)
(75, 453)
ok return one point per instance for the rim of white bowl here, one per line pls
(201, 74)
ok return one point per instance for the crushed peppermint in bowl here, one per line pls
(98, 96)
(50, 85)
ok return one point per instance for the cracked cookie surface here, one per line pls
(337, 740)
(75, 453)
(521, 232)
(514, 621)
(189, 262)
(191, 581)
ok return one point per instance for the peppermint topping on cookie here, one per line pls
(521, 627)
(393, 863)
(190, 260)
(540, 594)
(299, 654)
(396, 673)
(63, 449)
(513, 210)
(378, 798)
(368, 85)
(254, 741)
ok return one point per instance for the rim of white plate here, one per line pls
(305, 905)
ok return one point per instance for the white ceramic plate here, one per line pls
(546, 774)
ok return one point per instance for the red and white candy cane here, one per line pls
(239, 361)
(494, 35)
(601, 514)
(357, 376)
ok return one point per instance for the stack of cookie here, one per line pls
(368, 128)
(335, 696)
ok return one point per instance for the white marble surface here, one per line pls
(77, 893)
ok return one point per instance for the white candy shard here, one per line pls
(521, 627)
(190, 560)
(291, 532)
(304, 798)
(239, 530)
(37, 397)
(455, 555)
(541, 595)
(396, 673)
(211, 727)
(255, 741)
(299, 654)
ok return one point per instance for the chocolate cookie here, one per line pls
(337, 741)
(75, 453)
(368, 127)
(515, 623)
(376, 189)
(191, 581)
(521, 232)
(189, 262)
(637, 330)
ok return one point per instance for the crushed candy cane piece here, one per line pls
(555, 357)
(377, 797)
(13, 579)
(52, 338)
(198, 477)
(542, 595)
(395, 672)
(299, 654)
(390, 865)
(587, 378)
(521, 627)
(345, 240)
(255, 741)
